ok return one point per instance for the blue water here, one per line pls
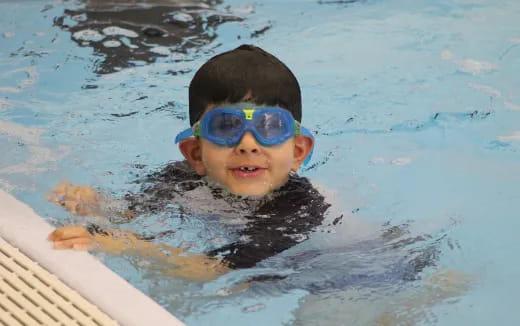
(417, 114)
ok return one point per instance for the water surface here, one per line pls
(416, 112)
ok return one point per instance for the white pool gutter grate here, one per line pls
(29, 295)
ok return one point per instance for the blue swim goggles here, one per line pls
(226, 126)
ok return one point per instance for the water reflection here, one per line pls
(129, 33)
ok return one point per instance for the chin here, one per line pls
(254, 193)
(252, 189)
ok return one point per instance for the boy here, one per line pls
(245, 114)
(244, 146)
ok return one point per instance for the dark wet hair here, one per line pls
(230, 76)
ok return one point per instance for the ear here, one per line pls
(192, 151)
(302, 147)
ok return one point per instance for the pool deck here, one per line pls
(22, 228)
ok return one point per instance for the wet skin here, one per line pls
(248, 168)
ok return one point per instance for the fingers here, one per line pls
(82, 247)
(81, 200)
(64, 184)
(68, 232)
(75, 243)
(59, 191)
(70, 205)
(86, 194)
(71, 237)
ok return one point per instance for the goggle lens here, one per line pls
(271, 125)
(225, 125)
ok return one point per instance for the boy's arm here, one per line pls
(195, 267)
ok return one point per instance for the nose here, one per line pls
(248, 144)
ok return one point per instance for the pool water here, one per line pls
(416, 112)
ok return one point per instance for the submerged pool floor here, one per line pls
(416, 112)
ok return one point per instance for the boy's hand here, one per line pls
(113, 241)
(71, 237)
(80, 200)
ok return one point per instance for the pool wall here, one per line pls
(24, 229)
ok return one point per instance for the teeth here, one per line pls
(247, 169)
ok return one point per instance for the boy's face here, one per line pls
(248, 168)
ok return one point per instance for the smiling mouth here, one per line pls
(247, 171)
(247, 168)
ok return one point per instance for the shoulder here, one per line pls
(298, 188)
(298, 198)
(160, 187)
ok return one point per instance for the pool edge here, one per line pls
(24, 229)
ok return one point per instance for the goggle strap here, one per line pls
(183, 135)
(196, 129)
(305, 132)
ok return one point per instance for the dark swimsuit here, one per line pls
(274, 225)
